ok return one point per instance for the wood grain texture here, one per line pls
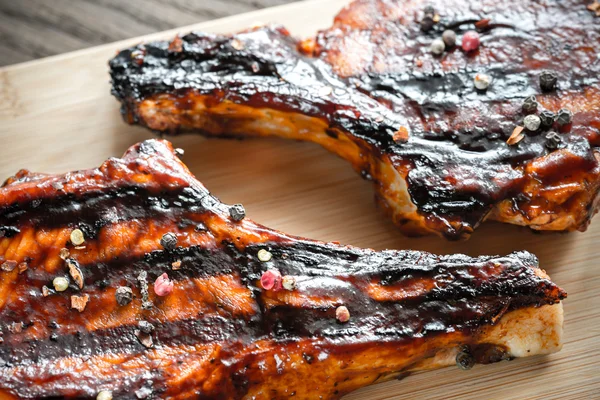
(31, 29)
(57, 115)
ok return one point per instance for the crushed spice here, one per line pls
(22, 267)
(237, 44)
(516, 136)
(144, 338)
(8, 265)
(79, 302)
(75, 272)
(483, 23)
(57, 186)
(176, 45)
(146, 327)
(142, 279)
(401, 135)
(45, 291)
(64, 253)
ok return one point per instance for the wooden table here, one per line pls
(57, 115)
(31, 29)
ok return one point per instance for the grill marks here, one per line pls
(158, 369)
(218, 332)
(371, 75)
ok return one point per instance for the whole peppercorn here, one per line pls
(464, 360)
(264, 255)
(532, 122)
(470, 41)
(564, 117)
(271, 280)
(548, 80)
(288, 282)
(124, 295)
(60, 283)
(429, 10)
(237, 212)
(77, 237)
(552, 140)
(342, 314)
(437, 47)
(163, 285)
(530, 104)
(547, 117)
(449, 38)
(169, 241)
(427, 23)
(482, 81)
(104, 395)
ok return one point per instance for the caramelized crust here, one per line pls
(219, 334)
(369, 90)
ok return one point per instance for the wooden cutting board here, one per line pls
(57, 115)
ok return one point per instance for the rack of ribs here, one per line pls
(132, 279)
(443, 155)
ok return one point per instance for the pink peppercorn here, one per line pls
(163, 285)
(342, 314)
(470, 41)
(271, 280)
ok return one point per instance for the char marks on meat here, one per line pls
(370, 90)
(217, 332)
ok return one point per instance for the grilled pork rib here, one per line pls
(369, 90)
(223, 331)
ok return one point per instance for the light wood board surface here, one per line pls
(57, 115)
(31, 29)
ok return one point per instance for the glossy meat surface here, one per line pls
(220, 334)
(369, 90)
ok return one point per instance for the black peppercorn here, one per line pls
(169, 241)
(548, 80)
(146, 327)
(54, 337)
(237, 212)
(552, 140)
(564, 117)
(124, 295)
(530, 104)
(429, 10)
(427, 23)
(464, 360)
(547, 117)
